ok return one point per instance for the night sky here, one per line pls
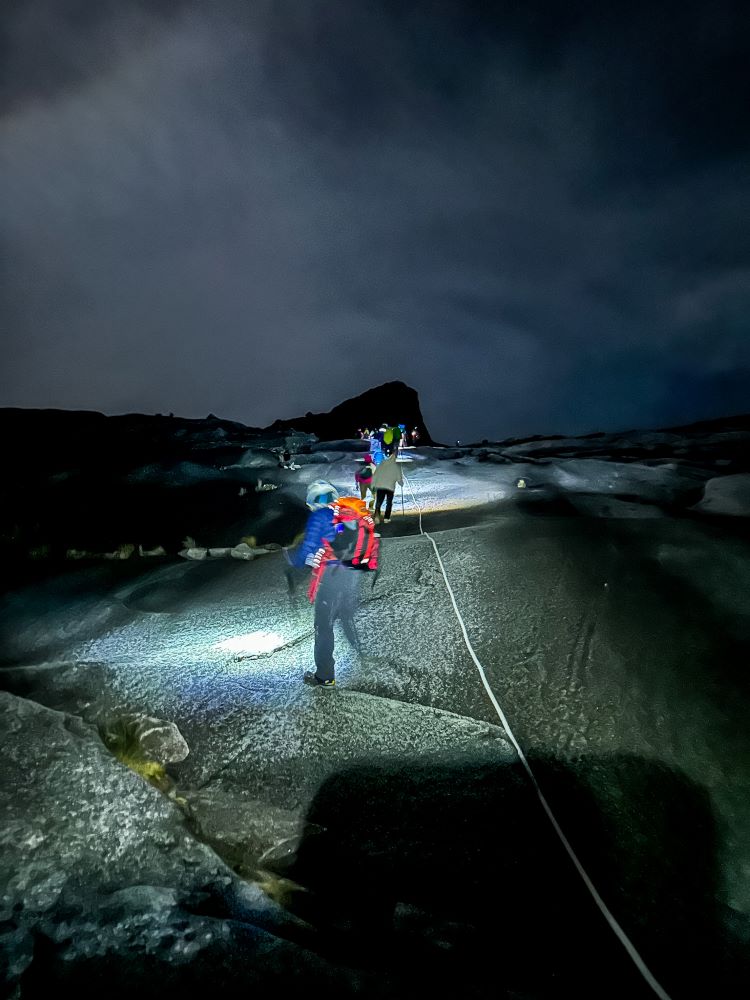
(535, 213)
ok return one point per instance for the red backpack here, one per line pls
(355, 544)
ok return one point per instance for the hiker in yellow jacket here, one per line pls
(384, 480)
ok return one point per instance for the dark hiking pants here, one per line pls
(336, 600)
(380, 496)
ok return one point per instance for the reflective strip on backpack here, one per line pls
(322, 557)
(357, 557)
(366, 529)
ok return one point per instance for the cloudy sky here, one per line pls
(535, 213)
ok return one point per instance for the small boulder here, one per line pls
(121, 552)
(158, 551)
(160, 740)
(729, 495)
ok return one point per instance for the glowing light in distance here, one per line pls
(251, 643)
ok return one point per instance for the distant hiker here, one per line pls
(363, 478)
(402, 439)
(318, 530)
(387, 441)
(415, 436)
(397, 435)
(285, 459)
(384, 481)
(391, 438)
(376, 449)
(334, 587)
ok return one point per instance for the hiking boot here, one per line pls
(314, 681)
(386, 520)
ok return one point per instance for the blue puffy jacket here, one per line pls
(319, 528)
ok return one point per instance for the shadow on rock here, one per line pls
(446, 874)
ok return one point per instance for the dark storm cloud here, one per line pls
(534, 213)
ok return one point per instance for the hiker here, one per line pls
(318, 530)
(285, 458)
(334, 587)
(384, 481)
(402, 439)
(376, 450)
(363, 479)
(397, 434)
(415, 436)
(389, 441)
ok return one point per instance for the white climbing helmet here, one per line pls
(320, 494)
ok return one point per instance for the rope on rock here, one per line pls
(606, 912)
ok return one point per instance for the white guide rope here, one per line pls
(606, 912)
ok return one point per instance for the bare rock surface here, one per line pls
(99, 866)
(726, 495)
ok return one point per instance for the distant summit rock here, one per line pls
(81, 482)
(393, 402)
(66, 437)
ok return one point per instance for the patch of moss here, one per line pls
(151, 770)
(281, 890)
(120, 738)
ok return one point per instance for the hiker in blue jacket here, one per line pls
(376, 448)
(402, 438)
(319, 528)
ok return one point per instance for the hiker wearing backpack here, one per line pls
(384, 481)
(318, 530)
(335, 584)
(363, 479)
(389, 441)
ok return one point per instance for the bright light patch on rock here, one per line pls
(252, 643)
